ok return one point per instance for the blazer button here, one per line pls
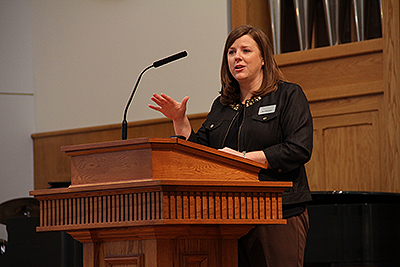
(212, 126)
(279, 170)
(265, 118)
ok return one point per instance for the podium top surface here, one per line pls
(155, 143)
(156, 159)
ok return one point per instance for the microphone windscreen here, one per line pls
(169, 59)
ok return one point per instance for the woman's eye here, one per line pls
(246, 50)
(231, 52)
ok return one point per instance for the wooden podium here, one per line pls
(159, 202)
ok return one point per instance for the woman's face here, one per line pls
(245, 61)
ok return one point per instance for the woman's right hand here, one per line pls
(176, 111)
(169, 107)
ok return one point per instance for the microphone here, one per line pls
(155, 64)
(169, 59)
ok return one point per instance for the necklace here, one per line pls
(248, 103)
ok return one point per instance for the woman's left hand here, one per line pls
(253, 155)
(231, 151)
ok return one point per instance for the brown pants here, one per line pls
(275, 245)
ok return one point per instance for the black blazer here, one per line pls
(280, 124)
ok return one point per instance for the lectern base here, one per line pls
(163, 246)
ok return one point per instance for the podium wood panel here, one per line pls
(156, 159)
(159, 202)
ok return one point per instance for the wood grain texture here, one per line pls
(252, 12)
(391, 55)
(344, 86)
(166, 253)
(334, 68)
(134, 260)
(160, 203)
(155, 159)
(161, 222)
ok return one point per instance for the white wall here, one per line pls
(88, 54)
(71, 64)
(16, 102)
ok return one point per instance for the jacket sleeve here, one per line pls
(297, 133)
(202, 136)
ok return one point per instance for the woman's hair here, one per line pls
(272, 76)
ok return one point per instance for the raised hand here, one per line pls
(169, 107)
(174, 110)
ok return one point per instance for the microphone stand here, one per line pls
(155, 64)
(124, 122)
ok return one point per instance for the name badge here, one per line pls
(266, 110)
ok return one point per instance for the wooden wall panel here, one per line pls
(391, 68)
(336, 74)
(335, 70)
(344, 85)
(347, 152)
(253, 12)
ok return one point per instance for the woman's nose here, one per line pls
(238, 55)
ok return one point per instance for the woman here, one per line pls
(263, 118)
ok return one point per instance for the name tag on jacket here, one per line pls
(266, 110)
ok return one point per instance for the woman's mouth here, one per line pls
(239, 67)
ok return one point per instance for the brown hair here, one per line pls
(272, 76)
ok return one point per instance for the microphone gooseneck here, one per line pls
(155, 64)
(125, 122)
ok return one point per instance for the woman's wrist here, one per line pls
(182, 127)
